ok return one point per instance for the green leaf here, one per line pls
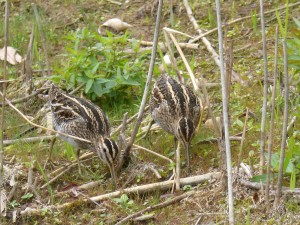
(259, 178)
(293, 179)
(297, 22)
(88, 85)
(27, 196)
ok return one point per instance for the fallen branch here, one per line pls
(155, 207)
(138, 189)
(260, 186)
(28, 140)
(86, 186)
(162, 45)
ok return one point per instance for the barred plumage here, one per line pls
(176, 109)
(82, 118)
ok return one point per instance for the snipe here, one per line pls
(176, 109)
(81, 118)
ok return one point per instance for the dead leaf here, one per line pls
(12, 56)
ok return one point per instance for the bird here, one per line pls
(176, 109)
(81, 118)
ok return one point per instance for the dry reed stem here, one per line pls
(2, 200)
(161, 44)
(243, 139)
(264, 106)
(284, 125)
(225, 110)
(270, 144)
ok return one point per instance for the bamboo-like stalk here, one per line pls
(225, 115)
(2, 204)
(146, 89)
(284, 126)
(264, 107)
(272, 122)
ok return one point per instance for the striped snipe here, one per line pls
(81, 118)
(176, 109)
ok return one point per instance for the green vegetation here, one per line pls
(112, 70)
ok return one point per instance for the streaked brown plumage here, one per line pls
(176, 109)
(81, 118)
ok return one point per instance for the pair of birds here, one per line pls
(173, 106)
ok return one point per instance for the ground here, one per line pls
(208, 205)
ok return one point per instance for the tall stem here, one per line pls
(3, 102)
(264, 107)
(225, 116)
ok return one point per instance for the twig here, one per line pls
(62, 173)
(127, 122)
(272, 121)
(137, 189)
(205, 41)
(28, 140)
(285, 124)
(154, 153)
(12, 192)
(2, 201)
(264, 107)
(225, 116)
(259, 186)
(161, 45)
(19, 100)
(81, 187)
(44, 44)
(77, 88)
(157, 206)
(73, 163)
(291, 124)
(146, 90)
(233, 138)
(243, 138)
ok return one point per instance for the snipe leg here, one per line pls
(177, 177)
(113, 176)
(49, 159)
(77, 152)
(187, 155)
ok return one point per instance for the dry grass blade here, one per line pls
(285, 124)
(264, 107)
(270, 144)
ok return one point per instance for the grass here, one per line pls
(57, 22)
